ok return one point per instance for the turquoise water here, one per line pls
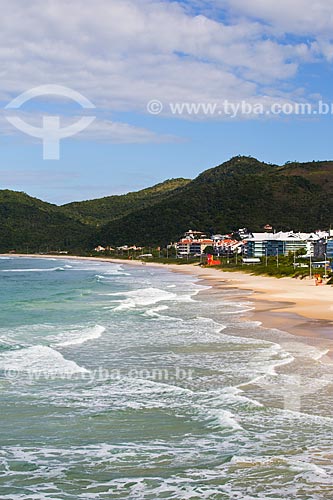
(137, 383)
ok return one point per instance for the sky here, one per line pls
(175, 87)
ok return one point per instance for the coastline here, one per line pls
(295, 306)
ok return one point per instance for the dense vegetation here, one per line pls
(110, 208)
(241, 192)
(28, 224)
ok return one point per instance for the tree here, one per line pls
(209, 250)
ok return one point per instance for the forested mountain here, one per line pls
(109, 208)
(28, 224)
(240, 192)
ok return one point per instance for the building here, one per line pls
(257, 245)
(193, 243)
(329, 249)
(226, 245)
(192, 247)
(281, 243)
(320, 249)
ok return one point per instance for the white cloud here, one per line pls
(121, 133)
(311, 19)
(122, 53)
(302, 17)
(100, 130)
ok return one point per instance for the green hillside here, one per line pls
(109, 208)
(28, 224)
(241, 192)
(318, 172)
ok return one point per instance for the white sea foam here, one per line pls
(265, 362)
(297, 465)
(154, 312)
(79, 336)
(240, 311)
(124, 393)
(320, 356)
(234, 395)
(249, 325)
(216, 418)
(33, 270)
(40, 359)
(223, 418)
(210, 323)
(9, 343)
(26, 335)
(142, 297)
(109, 274)
(117, 269)
(294, 465)
(237, 339)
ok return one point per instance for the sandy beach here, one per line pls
(296, 306)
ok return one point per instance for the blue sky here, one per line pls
(121, 54)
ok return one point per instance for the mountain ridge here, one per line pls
(111, 207)
(241, 192)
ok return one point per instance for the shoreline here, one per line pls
(295, 306)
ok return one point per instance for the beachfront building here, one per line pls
(193, 243)
(281, 243)
(257, 245)
(226, 245)
(329, 249)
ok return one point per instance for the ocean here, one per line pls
(134, 382)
